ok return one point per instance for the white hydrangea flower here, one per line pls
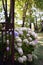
(29, 32)
(7, 48)
(19, 40)
(28, 29)
(29, 57)
(24, 29)
(20, 32)
(33, 33)
(30, 38)
(8, 42)
(35, 36)
(20, 59)
(34, 42)
(7, 32)
(26, 41)
(28, 35)
(30, 43)
(17, 37)
(20, 51)
(24, 58)
(19, 44)
(10, 33)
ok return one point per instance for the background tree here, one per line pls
(28, 6)
(7, 18)
(38, 4)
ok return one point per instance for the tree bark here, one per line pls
(30, 18)
(30, 25)
(36, 24)
(5, 9)
(24, 12)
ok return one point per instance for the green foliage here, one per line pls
(39, 4)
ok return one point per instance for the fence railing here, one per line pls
(5, 40)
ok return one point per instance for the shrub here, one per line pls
(25, 43)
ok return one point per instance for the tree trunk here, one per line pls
(30, 18)
(23, 21)
(36, 24)
(24, 12)
(7, 19)
(30, 25)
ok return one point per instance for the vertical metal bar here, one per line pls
(2, 36)
(2, 41)
(6, 40)
(12, 2)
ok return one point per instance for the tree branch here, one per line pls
(3, 5)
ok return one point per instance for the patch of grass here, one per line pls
(39, 51)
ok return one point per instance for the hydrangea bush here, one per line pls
(25, 43)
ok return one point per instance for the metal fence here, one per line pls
(5, 40)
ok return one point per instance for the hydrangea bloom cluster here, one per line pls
(25, 43)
